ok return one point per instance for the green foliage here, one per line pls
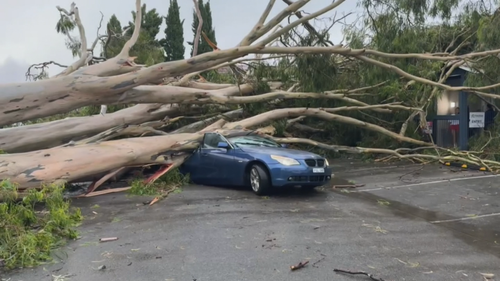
(147, 49)
(66, 25)
(488, 142)
(173, 43)
(29, 233)
(206, 14)
(172, 179)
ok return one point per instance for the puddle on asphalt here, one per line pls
(483, 239)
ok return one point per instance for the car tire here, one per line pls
(259, 180)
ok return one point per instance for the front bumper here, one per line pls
(284, 176)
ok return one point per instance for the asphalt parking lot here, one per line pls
(406, 223)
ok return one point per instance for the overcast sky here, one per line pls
(28, 32)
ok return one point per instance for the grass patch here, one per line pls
(172, 179)
(34, 225)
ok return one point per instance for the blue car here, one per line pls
(256, 162)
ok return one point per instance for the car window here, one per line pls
(212, 140)
(253, 141)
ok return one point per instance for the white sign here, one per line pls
(476, 120)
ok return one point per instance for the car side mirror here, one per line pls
(222, 144)
(284, 145)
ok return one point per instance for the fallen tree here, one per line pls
(79, 148)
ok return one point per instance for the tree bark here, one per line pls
(55, 133)
(46, 135)
(67, 164)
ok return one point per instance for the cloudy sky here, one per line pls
(28, 32)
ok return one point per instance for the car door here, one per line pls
(215, 162)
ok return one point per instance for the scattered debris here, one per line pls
(62, 277)
(376, 228)
(383, 202)
(105, 191)
(163, 170)
(487, 276)
(108, 239)
(156, 199)
(299, 265)
(408, 264)
(92, 187)
(358, 273)
(348, 185)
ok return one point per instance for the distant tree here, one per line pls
(173, 43)
(115, 41)
(147, 49)
(206, 14)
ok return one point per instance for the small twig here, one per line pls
(299, 266)
(108, 239)
(196, 41)
(358, 273)
(348, 185)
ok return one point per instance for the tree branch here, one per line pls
(198, 29)
(319, 113)
(84, 54)
(259, 25)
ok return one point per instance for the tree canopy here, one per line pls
(173, 43)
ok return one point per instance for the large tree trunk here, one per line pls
(45, 135)
(55, 133)
(48, 157)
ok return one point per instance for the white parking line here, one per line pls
(429, 182)
(468, 218)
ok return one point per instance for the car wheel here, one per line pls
(259, 180)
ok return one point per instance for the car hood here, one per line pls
(286, 152)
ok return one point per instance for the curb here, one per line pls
(465, 166)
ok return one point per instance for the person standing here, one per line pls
(454, 127)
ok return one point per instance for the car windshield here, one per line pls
(253, 141)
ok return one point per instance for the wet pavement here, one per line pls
(407, 222)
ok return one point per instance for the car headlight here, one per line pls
(326, 162)
(285, 160)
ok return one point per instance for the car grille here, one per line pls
(317, 178)
(315, 162)
(308, 178)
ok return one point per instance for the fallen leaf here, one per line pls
(413, 264)
(383, 202)
(376, 228)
